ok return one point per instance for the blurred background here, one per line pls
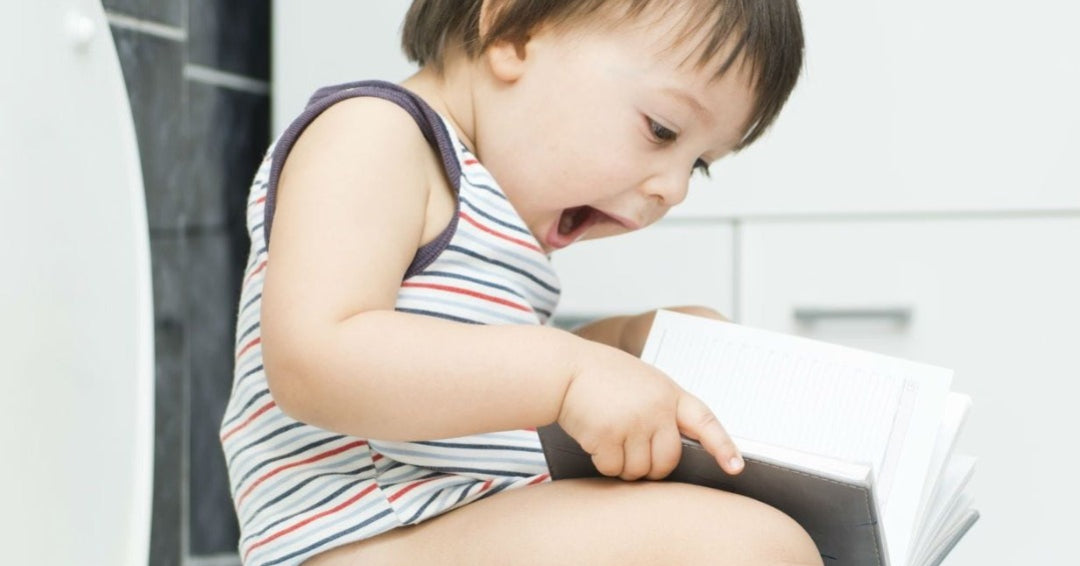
(198, 78)
(919, 197)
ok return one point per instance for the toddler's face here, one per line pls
(600, 133)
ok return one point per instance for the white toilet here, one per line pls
(76, 314)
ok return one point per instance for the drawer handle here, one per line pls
(898, 315)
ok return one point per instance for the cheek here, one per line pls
(571, 149)
(606, 149)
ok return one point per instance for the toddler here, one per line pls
(393, 358)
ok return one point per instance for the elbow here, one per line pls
(304, 382)
(290, 386)
(296, 368)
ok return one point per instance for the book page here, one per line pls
(945, 505)
(814, 397)
(957, 406)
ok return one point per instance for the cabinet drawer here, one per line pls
(996, 300)
(914, 106)
(663, 265)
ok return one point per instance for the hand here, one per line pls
(628, 415)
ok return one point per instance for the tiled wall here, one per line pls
(197, 73)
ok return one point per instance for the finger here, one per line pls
(666, 450)
(609, 460)
(698, 422)
(637, 457)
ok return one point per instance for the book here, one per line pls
(857, 447)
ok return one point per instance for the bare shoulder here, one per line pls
(357, 117)
(356, 185)
(367, 144)
(364, 127)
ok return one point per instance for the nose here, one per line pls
(668, 187)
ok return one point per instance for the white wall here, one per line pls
(323, 42)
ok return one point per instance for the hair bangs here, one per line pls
(765, 35)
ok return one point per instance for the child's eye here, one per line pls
(702, 166)
(660, 133)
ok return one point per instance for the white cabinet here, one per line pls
(996, 300)
(919, 105)
(662, 266)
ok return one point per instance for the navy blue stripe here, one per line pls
(504, 265)
(477, 446)
(424, 507)
(298, 451)
(272, 434)
(248, 373)
(328, 539)
(249, 330)
(257, 226)
(437, 315)
(503, 223)
(477, 281)
(494, 490)
(464, 494)
(246, 406)
(484, 187)
(309, 508)
(298, 486)
(462, 470)
(251, 300)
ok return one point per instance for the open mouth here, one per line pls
(572, 225)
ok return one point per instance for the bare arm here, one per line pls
(338, 356)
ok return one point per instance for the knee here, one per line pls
(754, 533)
(783, 541)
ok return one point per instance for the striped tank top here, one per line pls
(300, 490)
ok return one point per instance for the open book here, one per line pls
(857, 447)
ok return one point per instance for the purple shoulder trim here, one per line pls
(426, 118)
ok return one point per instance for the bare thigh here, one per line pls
(593, 522)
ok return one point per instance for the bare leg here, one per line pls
(594, 522)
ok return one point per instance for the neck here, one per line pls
(451, 93)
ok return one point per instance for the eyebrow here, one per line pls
(691, 101)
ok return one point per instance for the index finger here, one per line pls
(696, 421)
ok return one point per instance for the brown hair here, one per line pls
(767, 33)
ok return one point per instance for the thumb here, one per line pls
(696, 421)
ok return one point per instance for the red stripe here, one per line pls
(254, 271)
(260, 200)
(539, 479)
(471, 161)
(253, 416)
(529, 245)
(288, 530)
(249, 346)
(409, 488)
(280, 469)
(376, 457)
(461, 291)
(483, 487)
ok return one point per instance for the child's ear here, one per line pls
(505, 58)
